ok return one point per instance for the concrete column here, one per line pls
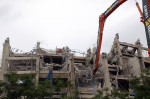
(37, 71)
(118, 50)
(71, 74)
(139, 50)
(6, 49)
(116, 81)
(107, 83)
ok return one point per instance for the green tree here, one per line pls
(2, 87)
(119, 94)
(98, 95)
(43, 89)
(22, 85)
(60, 85)
(141, 85)
(115, 94)
(19, 85)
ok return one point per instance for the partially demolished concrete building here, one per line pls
(124, 62)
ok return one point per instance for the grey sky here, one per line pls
(72, 23)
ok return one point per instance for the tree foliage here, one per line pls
(43, 89)
(119, 94)
(23, 85)
(18, 86)
(141, 85)
(115, 94)
(60, 85)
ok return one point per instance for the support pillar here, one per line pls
(107, 83)
(37, 72)
(6, 50)
(139, 50)
(72, 74)
(118, 50)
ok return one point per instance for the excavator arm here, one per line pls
(146, 17)
(102, 19)
(140, 11)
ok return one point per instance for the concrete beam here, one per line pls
(79, 59)
(21, 58)
(127, 44)
(87, 96)
(54, 71)
(22, 55)
(25, 72)
(61, 74)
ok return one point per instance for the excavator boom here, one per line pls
(102, 19)
(137, 4)
(146, 17)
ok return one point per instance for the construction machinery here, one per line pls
(102, 19)
(145, 19)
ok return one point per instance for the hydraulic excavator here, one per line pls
(145, 19)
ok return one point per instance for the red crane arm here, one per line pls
(137, 4)
(102, 19)
(146, 19)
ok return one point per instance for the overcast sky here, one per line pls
(72, 23)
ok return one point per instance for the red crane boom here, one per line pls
(102, 19)
(145, 18)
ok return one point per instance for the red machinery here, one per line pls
(145, 19)
(102, 19)
(137, 4)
